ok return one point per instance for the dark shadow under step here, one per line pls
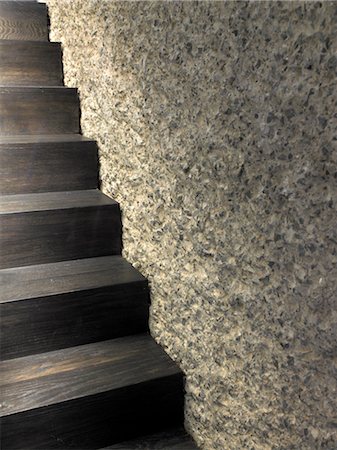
(89, 396)
(176, 439)
(53, 306)
(47, 163)
(57, 226)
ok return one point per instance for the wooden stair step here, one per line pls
(38, 110)
(174, 439)
(25, 203)
(25, 20)
(30, 63)
(30, 164)
(89, 396)
(57, 305)
(56, 226)
(41, 138)
(68, 379)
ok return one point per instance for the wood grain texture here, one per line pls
(98, 420)
(35, 381)
(23, 21)
(41, 138)
(30, 167)
(33, 110)
(51, 227)
(20, 283)
(89, 396)
(29, 63)
(70, 303)
(49, 201)
(68, 380)
(174, 439)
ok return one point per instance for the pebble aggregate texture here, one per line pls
(216, 123)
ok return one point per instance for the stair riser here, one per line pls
(79, 396)
(23, 21)
(30, 64)
(39, 325)
(99, 420)
(32, 168)
(172, 439)
(49, 236)
(38, 111)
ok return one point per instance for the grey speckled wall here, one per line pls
(217, 131)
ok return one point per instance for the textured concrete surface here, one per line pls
(216, 124)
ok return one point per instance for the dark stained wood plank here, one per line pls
(43, 110)
(84, 301)
(40, 325)
(174, 439)
(31, 167)
(60, 376)
(30, 63)
(41, 138)
(20, 283)
(98, 420)
(51, 227)
(85, 396)
(49, 201)
(23, 21)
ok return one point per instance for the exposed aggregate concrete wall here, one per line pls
(216, 123)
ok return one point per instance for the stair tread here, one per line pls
(42, 138)
(39, 110)
(32, 2)
(176, 439)
(23, 20)
(30, 63)
(24, 89)
(46, 201)
(50, 378)
(47, 166)
(28, 43)
(29, 3)
(42, 280)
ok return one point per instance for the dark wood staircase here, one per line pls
(78, 367)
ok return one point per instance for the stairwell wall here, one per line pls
(216, 125)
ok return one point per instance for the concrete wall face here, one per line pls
(216, 123)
